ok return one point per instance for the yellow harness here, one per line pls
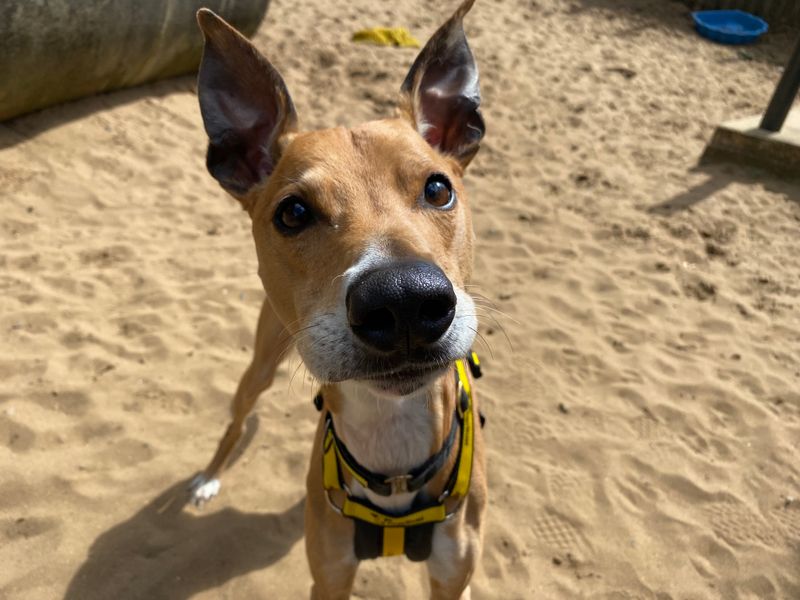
(379, 533)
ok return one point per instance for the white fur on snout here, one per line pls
(462, 331)
(330, 349)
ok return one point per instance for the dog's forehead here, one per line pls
(373, 150)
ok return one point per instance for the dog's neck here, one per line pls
(392, 435)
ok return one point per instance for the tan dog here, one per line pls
(364, 244)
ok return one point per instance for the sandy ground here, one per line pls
(642, 382)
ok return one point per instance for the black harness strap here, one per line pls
(368, 541)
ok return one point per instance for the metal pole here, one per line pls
(785, 93)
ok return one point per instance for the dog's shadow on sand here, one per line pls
(165, 552)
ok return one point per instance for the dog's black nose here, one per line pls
(401, 306)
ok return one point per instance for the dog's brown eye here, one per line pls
(292, 215)
(439, 192)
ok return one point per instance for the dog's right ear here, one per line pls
(245, 105)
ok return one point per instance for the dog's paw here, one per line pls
(201, 490)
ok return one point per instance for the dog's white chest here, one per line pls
(387, 435)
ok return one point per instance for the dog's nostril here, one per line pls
(380, 319)
(435, 309)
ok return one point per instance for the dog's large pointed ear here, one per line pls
(245, 105)
(441, 94)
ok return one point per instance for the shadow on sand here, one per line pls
(720, 174)
(29, 126)
(164, 552)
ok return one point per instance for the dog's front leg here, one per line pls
(270, 349)
(332, 562)
(328, 536)
(455, 553)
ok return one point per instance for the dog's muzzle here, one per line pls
(403, 306)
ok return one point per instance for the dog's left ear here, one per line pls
(441, 94)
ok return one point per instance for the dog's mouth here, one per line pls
(333, 355)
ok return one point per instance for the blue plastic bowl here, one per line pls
(729, 26)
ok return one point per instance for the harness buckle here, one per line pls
(399, 483)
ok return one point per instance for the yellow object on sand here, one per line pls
(387, 36)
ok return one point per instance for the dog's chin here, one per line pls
(402, 383)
